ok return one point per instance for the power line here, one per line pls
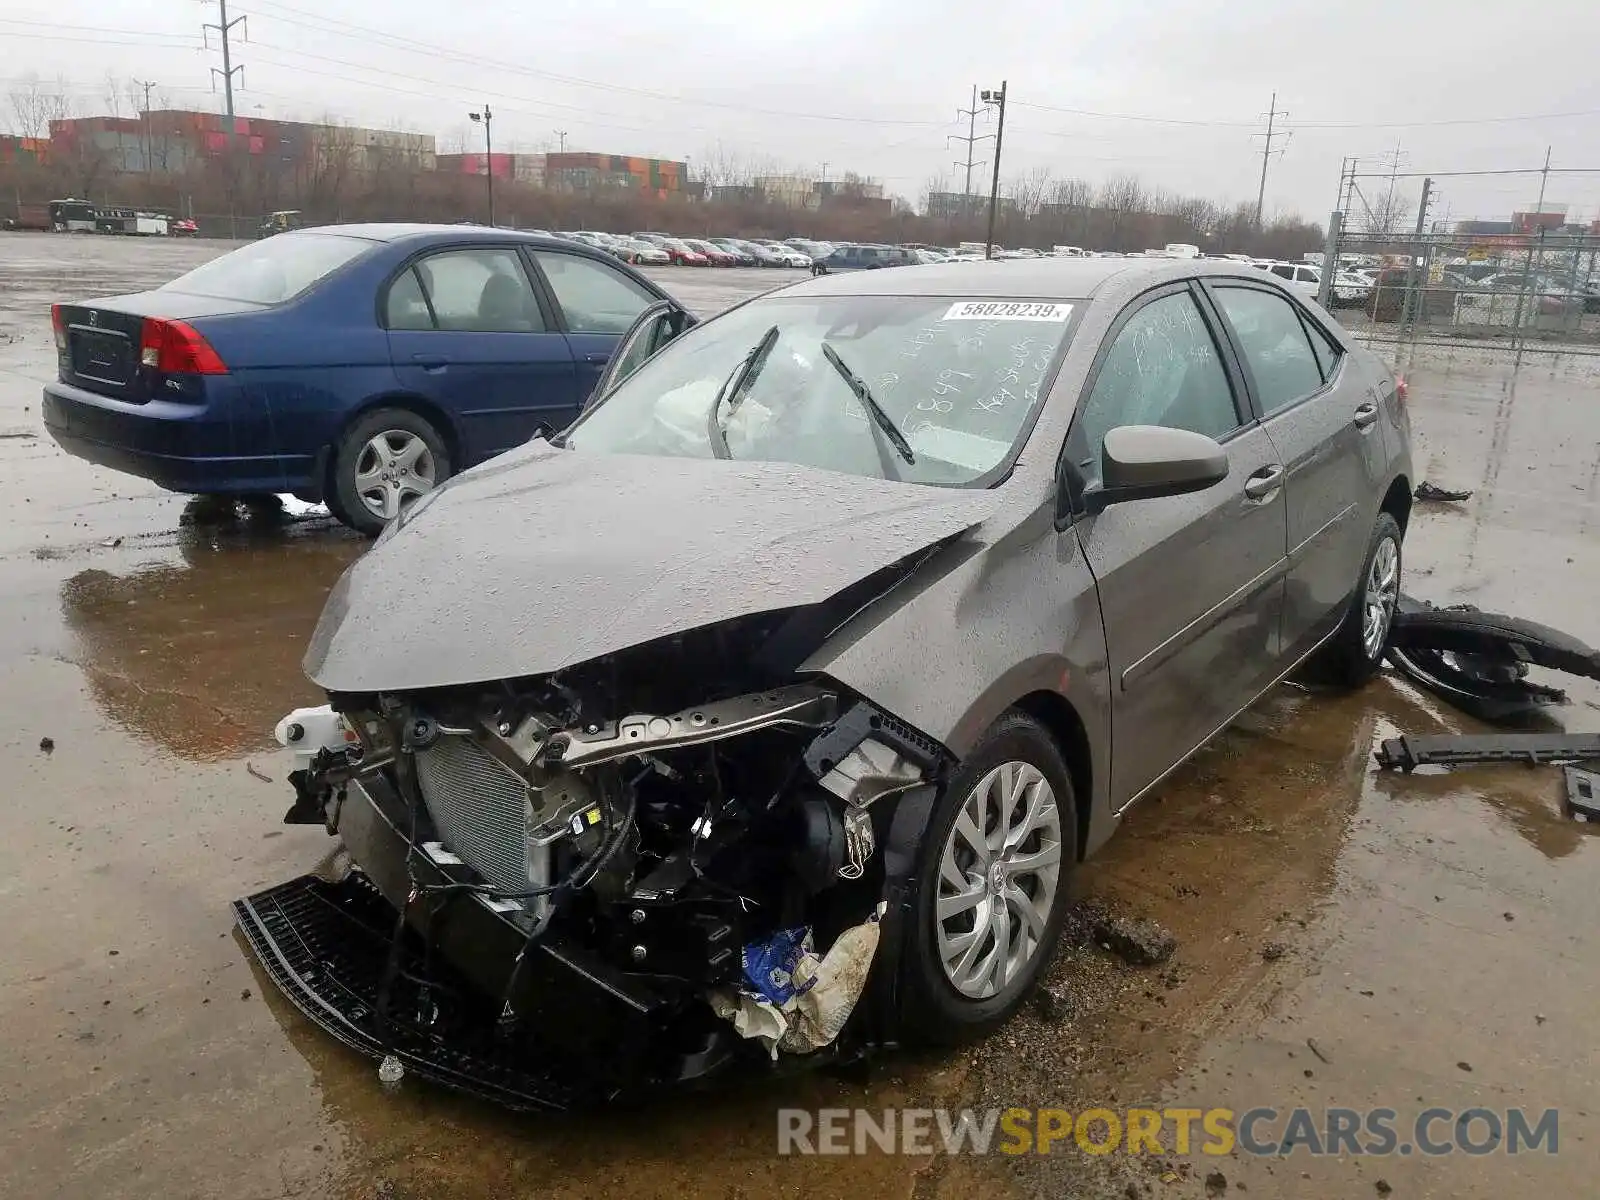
(95, 41)
(1304, 125)
(396, 41)
(1266, 153)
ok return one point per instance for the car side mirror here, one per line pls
(1143, 462)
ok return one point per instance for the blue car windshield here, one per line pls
(959, 379)
(272, 270)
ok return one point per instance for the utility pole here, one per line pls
(1273, 114)
(224, 27)
(561, 137)
(488, 153)
(145, 112)
(972, 139)
(998, 99)
(1414, 307)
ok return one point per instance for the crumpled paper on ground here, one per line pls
(822, 995)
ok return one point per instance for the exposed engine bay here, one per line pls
(632, 827)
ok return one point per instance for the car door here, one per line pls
(597, 302)
(653, 329)
(1191, 587)
(1321, 413)
(467, 332)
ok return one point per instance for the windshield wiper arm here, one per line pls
(881, 419)
(733, 389)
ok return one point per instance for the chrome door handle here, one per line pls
(1366, 415)
(1264, 482)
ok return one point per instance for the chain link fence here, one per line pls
(1523, 292)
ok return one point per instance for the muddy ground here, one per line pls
(1345, 937)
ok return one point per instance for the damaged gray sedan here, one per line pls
(765, 712)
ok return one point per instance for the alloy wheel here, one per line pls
(998, 873)
(1382, 592)
(393, 469)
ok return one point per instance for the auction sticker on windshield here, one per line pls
(1007, 310)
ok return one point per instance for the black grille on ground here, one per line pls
(326, 947)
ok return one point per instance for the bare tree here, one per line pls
(1124, 199)
(1389, 212)
(112, 90)
(1028, 190)
(34, 104)
(720, 167)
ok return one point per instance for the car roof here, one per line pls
(398, 233)
(1032, 278)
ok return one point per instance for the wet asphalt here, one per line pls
(1346, 938)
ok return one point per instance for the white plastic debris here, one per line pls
(752, 1016)
(390, 1072)
(825, 1003)
(818, 994)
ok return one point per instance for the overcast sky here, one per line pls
(873, 85)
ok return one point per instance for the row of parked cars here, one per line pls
(664, 249)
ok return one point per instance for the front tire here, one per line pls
(387, 459)
(992, 876)
(1356, 651)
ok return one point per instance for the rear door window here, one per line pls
(1276, 349)
(473, 291)
(1327, 351)
(406, 307)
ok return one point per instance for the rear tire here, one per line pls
(387, 459)
(1356, 651)
(966, 971)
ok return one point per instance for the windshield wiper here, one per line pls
(733, 389)
(881, 419)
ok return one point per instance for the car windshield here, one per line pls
(273, 270)
(959, 378)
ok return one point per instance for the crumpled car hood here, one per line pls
(545, 558)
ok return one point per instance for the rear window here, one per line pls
(272, 270)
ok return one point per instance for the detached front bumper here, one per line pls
(581, 1032)
(326, 946)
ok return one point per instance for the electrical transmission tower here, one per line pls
(971, 140)
(229, 69)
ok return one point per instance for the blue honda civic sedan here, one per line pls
(359, 365)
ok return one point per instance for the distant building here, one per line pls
(587, 172)
(738, 193)
(523, 168)
(173, 141)
(954, 204)
(1550, 218)
(790, 191)
(22, 151)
